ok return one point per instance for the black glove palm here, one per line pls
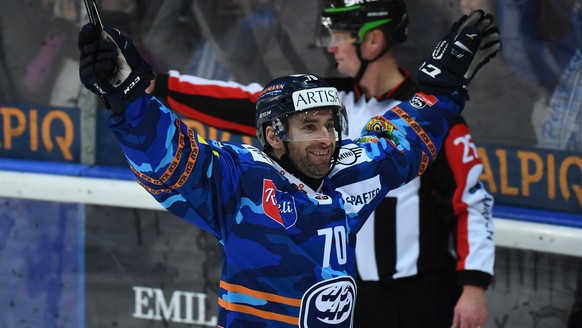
(111, 66)
(470, 44)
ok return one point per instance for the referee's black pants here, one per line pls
(415, 302)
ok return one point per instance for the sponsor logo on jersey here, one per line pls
(358, 194)
(362, 198)
(349, 156)
(279, 206)
(329, 303)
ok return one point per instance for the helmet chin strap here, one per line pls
(364, 62)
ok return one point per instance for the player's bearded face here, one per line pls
(312, 142)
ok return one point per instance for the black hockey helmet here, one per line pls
(360, 16)
(291, 95)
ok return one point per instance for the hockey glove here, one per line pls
(111, 66)
(470, 44)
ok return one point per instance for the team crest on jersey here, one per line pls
(421, 100)
(386, 130)
(379, 125)
(279, 206)
(329, 303)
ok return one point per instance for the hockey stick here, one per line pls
(93, 13)
(122, 70)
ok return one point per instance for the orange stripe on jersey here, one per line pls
(175, 162)
(187, 170)
(423, 164)
(418, 129)
(262, 295)
(259, 313)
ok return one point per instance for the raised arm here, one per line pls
(189, 176)
(408, 137)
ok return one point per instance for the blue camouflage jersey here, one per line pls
(288, 250)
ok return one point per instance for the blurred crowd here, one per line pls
(537, 81)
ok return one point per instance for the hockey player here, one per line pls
(287, 234)
(410, 274)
